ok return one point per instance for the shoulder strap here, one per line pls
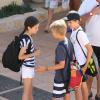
(79, 43)
(67, 52)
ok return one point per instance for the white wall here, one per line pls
(7, 2)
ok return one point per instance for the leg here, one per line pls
(74, 4)
(97, 53)
(27, 93)
(50, 16)
(78, 94)
(98, 83)
(84, 91)
(89, 83)
(67, 96)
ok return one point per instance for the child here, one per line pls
(73, 20)
(62, 63)
(27, 55)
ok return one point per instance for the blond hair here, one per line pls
(59, 26)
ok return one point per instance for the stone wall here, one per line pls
(7, 2)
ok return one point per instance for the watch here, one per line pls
(91, 14)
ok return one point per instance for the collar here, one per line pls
(80, 28)
(66, 41)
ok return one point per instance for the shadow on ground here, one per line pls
(8, 83)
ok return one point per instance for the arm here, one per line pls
(60, 58)
(59, 66)
(87, 16)
(23, 55)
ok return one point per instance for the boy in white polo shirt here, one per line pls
(78, 34)
(90, 14)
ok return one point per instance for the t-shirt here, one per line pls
(26, 42)
(61, 55)
(92, 26)
(83, 40)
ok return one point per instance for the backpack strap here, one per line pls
(79, 43)
(27, 37)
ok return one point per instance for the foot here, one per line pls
(97, 98)
(46, 31)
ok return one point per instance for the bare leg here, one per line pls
(67, 97)
(98, 83)
(78, 94)
(89, 83)
(27, 93)
(50, 16)
(84, 91)
(74, 4)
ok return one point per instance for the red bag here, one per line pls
(76, 76)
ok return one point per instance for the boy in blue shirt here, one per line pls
(62, 63)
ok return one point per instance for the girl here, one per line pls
(27, 55)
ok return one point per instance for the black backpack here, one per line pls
(10, 56)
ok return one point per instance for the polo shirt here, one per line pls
(83, 40)
(92, 26)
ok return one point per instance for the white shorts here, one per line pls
(27, 72)
(54, 3)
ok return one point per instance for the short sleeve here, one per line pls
(82, 10)
(24, 42)
(82, 37)
(60, 54)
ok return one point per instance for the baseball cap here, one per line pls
(72, 15)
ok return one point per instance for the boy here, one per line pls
(73, 19)
(62, 62)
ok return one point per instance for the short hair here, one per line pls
(59, 26)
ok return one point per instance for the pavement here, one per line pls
(10, 88)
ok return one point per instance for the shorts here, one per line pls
(54, 4)
(59, 90)
(27, 72)
(97, 53)
(84, 76)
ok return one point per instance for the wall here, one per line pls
(7, 2)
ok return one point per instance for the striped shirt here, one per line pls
(27, 42)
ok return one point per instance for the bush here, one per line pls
(14, 9)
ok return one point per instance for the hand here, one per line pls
(84, 69)
(37, 53)
(96, 10)
(40, 69)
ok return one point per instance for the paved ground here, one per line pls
(9, 81)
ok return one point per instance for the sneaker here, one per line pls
(97, 98)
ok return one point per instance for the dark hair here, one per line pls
(30, 22)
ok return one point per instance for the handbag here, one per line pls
(91, 69)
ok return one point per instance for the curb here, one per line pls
(1, 98)
(16, 22)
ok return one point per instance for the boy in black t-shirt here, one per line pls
(62, 62)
